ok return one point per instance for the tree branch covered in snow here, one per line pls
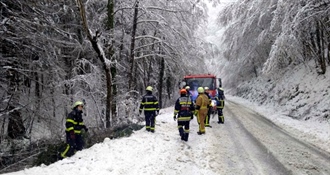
(265, 37)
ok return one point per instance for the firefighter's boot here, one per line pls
(222, 119)
(186, 137)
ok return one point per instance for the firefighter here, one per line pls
(183, 111)
(151, 109)
(207, 119)
(188, 91)
(74, 125)
(220, 98)
(189, 95)
(201, 109)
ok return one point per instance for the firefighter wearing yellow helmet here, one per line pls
(201, 109)
(149, 104)
(74, 125)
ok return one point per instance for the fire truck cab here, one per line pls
(200, 80)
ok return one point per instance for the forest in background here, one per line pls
(268, 37)
(104, 53)
(262, 42)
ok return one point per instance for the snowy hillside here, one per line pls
(299, 93)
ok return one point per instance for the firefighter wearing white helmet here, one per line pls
(188, 92)
(201, 108)
(149, 104)
(207, 119)
(74, 125)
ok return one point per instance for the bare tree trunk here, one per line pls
(16, 127)
(96, 47)
(38, 95)
(113, 68)
(161, 84)
(320, 48)
(131, 73)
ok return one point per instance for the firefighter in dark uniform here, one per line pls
(207, 119)
(189, 95)
(74, 125)
(183, 112)
(220, 98)
(151, 109)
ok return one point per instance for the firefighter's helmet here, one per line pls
(77, 103)
(149, 88)
(206, 88)
(187, 87)
(200, 90)
(183, 91)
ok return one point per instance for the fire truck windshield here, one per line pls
(194, 83)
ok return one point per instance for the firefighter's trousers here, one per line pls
(207, 118)
(73, 145)
(150, 117)
(183, 127)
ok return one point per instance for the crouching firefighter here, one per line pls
(74, 124)
(183, 111)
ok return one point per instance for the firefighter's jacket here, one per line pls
(220, 94)
(220, 98)
(149, 103)
(74, 122)
(184, 108)
(202, 103)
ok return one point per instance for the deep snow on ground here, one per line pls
(164, 153)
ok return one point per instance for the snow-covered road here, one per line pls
(276, 151)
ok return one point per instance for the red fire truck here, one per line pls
(201, 80)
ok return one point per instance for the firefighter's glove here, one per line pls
(174, 117)
(85, 128)
(196, 112)
(192, 117)
(72, 135)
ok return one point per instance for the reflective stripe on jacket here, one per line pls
(74, 122)
(184, 107)
(149, 103)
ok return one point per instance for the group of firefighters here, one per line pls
(185, 109)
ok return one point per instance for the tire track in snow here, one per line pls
(297, 156)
